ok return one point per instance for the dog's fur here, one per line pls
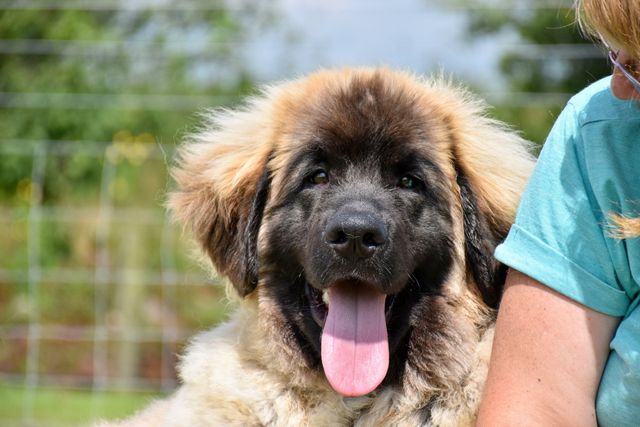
(258, 187)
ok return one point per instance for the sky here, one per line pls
(416, 35)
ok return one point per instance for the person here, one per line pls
(567, 340)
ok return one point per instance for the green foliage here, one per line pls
(75, 75)
(552, 58)
(93, 100)
(544, 69)
(112, 53)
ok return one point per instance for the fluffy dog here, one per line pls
(355, 214)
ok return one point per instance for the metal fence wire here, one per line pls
(99, 288)
(96, 292)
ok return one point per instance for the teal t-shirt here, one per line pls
(589, 167)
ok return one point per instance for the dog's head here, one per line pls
(353, 200)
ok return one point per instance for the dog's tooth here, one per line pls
(325, 297)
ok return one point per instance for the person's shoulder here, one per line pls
(597, 103)
(599, 88)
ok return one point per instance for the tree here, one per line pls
(553, 60)
(83, 72)
(116, 77)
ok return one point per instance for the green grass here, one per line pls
(55, 407)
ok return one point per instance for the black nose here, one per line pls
(355, 234)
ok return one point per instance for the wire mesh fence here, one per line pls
(99, 289)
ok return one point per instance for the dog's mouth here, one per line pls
(319, 300)
(354, 345)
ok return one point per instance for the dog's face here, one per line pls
(364, 220)
(352, 206)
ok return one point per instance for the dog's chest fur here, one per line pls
(241, 384)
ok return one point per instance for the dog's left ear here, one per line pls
(480, 241)
(493, 164)
(223, 186)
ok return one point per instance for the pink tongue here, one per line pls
(355, 351)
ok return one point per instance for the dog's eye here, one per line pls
(409, 182)
(319, 177)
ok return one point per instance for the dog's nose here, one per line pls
(355, 234)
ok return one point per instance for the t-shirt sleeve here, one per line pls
(559, 238)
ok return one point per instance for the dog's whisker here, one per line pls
(414, 281)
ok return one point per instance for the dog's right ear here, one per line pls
(222, 188)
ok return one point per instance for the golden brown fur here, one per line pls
(248, 371)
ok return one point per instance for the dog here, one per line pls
(354, 213)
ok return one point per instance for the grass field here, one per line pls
(69, 408)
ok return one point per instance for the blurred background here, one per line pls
(98, 289)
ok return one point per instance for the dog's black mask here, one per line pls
(379, 220)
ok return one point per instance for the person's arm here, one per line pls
(547, 360)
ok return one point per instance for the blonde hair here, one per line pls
(624, 227)
(617, 21)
